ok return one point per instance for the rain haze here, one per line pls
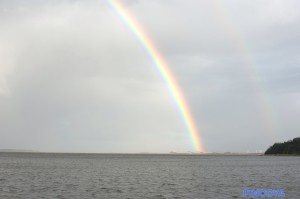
(74, 77)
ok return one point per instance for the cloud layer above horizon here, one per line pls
(73, 78)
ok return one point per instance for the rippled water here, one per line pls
(42, 175)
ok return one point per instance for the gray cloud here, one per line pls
(74, 78)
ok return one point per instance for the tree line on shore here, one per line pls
(291, 147)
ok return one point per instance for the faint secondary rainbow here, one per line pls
(268, 117)
(164, 70)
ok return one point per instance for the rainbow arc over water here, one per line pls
(163, 69)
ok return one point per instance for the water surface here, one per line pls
(46, 175)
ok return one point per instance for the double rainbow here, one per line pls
(163, 69)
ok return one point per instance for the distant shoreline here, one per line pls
(281, 155)
(143, 153)
(18, 151)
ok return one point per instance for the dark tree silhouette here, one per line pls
(291, 147)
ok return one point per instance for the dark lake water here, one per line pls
(85, 176)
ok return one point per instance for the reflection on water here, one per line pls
(41, 175)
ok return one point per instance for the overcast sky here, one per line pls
(73, 78)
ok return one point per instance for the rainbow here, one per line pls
(163, 69)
